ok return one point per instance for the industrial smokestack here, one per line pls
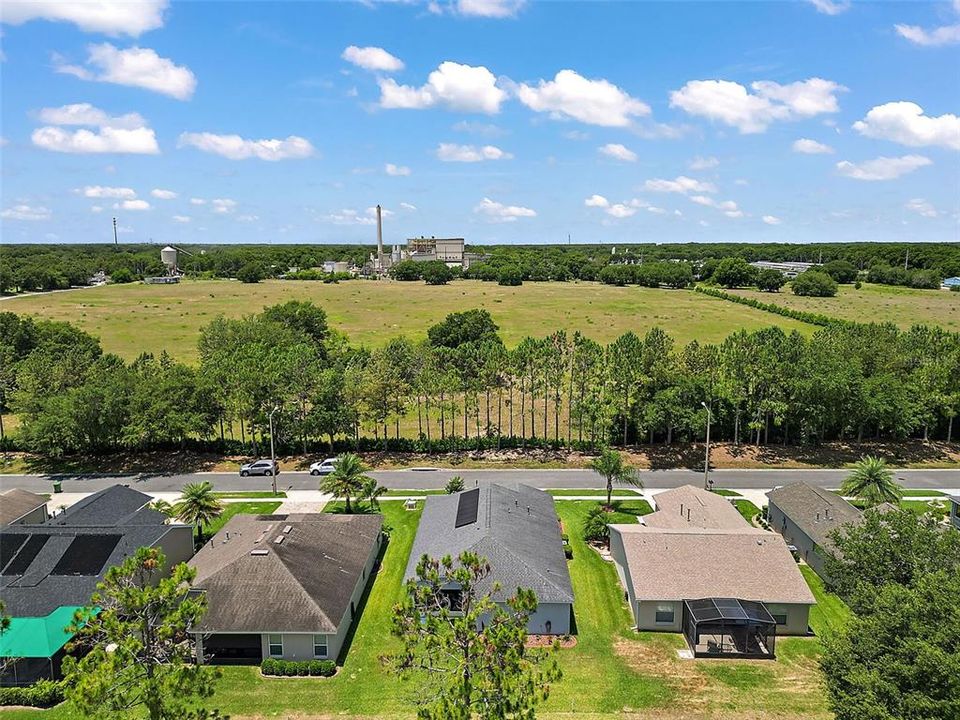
(379, 237)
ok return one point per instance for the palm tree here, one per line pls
(872, 482)
(347, 479)
(198, 505)
(610, 465)
(371, 492)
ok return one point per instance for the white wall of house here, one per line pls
(556, 614)
(36, 516)
(793, 535)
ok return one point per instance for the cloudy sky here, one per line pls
(497, 120)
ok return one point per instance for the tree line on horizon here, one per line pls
(462, 388)
(49, 267)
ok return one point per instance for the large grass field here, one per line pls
(875, 303)
(612, 671)
(135, 318)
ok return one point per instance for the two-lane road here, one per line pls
(435, 479)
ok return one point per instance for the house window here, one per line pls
(779, 613)
(665, 614)
(276, 645)
(453, 599)
(320, 646)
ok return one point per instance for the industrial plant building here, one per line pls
(788, 269)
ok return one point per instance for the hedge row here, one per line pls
(801, 315)
(298, 668)
(42, 694)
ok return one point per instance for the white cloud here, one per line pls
(595, 102)
(450, 152)
(372, 58)
(478, 128)
(882, 168)
(811, 147)
(943, 35)
(727, 207)
(618, 152)
(140, 141)
(831, 7)
(223, 205)
(113, 17)
(134, 67)
(197, 201)
(619, 210)
(905, 123)
(25, 212)
(703, 163)
(656, 210)
(96, 209)
(408, 206)
(922, 207)
(349, 216)
(181, 219)
(489, 8)
(247, 218)
(457, 87)
(163, 194)
(597, 201)
(498, 212)
(234, 147)
(100, 191)
(681, 184)
(732, 104)
(87, 114)
(132, 205)
(772, 220)
(396, 170)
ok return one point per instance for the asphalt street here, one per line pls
(425, 479)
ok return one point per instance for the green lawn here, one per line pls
(239, 508)
(135, 318)
(830, 612)
(922, 493)
(724, 492)
(592, 493)
(412, 493)
(251, 494)
(747, 509)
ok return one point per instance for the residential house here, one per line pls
(807, 516)
(284, 586)
(696, 566)
(20, 507)
(517, 530)
(50, 570)
(955, 511)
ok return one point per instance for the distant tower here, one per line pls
(379, 238)
(115, 232)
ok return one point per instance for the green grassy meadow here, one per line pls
(135, 318)
(875, 303)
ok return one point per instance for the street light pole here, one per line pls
(706, 460)
(273, 457)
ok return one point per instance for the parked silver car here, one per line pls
(323, 467)
(260, 467)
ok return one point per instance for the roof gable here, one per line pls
(817, 512)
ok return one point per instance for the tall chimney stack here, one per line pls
(379, 237)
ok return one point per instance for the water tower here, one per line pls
(168, 256)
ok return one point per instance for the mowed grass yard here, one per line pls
(135, 318)
(875, 303)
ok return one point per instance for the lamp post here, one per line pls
(273, 457)
(706, 460)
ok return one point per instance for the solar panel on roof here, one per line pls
(9, 544)
(86, 555)
(467, 506)
(19, 564)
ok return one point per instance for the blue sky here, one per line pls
(498, 120)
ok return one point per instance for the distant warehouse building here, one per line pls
(789, 269)
(951, 282)
(446, 250)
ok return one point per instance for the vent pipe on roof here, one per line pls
(681, 509)
(688, 514)
(818, 517)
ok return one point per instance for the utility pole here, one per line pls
(273, 457)
(115, 243)
(906, 260)
(706, 460)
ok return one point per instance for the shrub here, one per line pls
(275, 667)
(814, 283)
(595, 525)
(122, 275)
(436, 272)
(510, 277)
(770, 280)
(840, 270)
(405, 271)
(734, 272)
(42, 694)
(251, 273)
(454, 485)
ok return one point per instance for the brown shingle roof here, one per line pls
(303, 584)
(15, 503)
(686, 563)
(691, 507)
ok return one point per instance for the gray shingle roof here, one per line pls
(516, 529)
(36, 591)
(692, 507)
(817, 512)
(15, 503)
(302, 584)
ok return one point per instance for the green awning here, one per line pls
(38, 637)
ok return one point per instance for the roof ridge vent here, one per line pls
(259, 551)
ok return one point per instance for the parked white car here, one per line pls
(323, 467)
(260, 467)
